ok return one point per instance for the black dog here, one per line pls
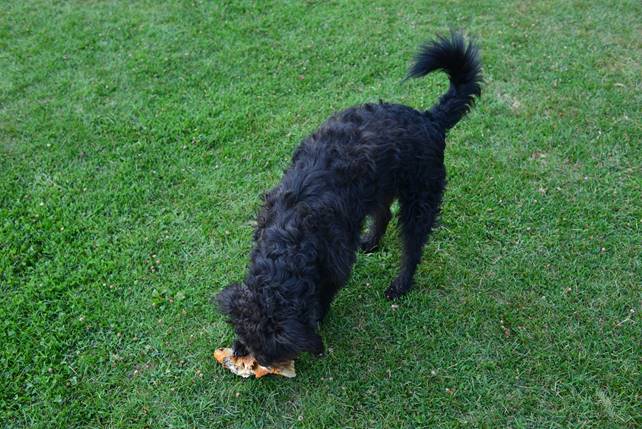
(355, 165)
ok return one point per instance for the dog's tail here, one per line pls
(461, 63)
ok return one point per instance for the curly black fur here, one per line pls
(355, 165)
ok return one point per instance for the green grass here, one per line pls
(136, 138)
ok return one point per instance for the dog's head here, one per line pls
(269, 334)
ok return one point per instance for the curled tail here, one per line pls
(461, 63)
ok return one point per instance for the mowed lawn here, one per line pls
(136, 139)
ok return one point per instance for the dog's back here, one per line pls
(385, 145)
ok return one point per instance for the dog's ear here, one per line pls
(300, 337)
(230, 298)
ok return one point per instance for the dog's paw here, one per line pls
(239, 349)
(397, 289)
(392, 294)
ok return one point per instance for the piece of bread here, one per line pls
(247, 365)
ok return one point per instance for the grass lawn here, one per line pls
(136, 138)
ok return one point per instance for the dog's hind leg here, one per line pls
(380, 220)
(418, 212)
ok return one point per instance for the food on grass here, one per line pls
(247, 365)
